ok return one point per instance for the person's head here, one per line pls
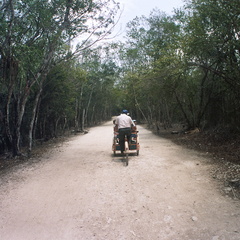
(124, 111)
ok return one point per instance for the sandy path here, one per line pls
(81, 191)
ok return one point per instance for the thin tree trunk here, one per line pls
(138, 106)
(56, 127)
(183, 111)
(64, 124)
(78, 110)
(89, 101)
(9, 74)
(20, 113)
(76, 124)
(7, 119)
(92, 117)
(83, 120)
(33, 120)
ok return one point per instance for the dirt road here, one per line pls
(81, 191)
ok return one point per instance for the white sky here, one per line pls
(137, 8)
(133, 8)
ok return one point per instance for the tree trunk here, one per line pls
(83, 120)
(56, 127)
(182, 109)
(20, 113)
(138, 106)
(76, 123)
(64, 125)
(88, 104)
(33, 120)
(78, 110)
(6, 120)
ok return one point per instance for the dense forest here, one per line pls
(181, 68)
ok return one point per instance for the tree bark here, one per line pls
(182, 109)
(34, 117)
(83, 120)
(87, 108)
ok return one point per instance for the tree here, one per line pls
(33, 36)
(152, 44)
(103, 72)
(211, 45)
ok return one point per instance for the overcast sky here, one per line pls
(133, 8)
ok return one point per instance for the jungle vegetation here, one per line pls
(180, 68)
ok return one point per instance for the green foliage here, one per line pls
(34, 37)
(211, 43)
(185, 65)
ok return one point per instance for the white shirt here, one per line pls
(124, 121)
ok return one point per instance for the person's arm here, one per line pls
(132, 123)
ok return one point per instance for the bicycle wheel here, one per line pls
(126, 159)
(126, 152)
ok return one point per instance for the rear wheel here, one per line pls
(126, 152)
(126, 159)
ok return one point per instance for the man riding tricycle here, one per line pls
(125, 138)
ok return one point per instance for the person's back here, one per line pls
(124, 121)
